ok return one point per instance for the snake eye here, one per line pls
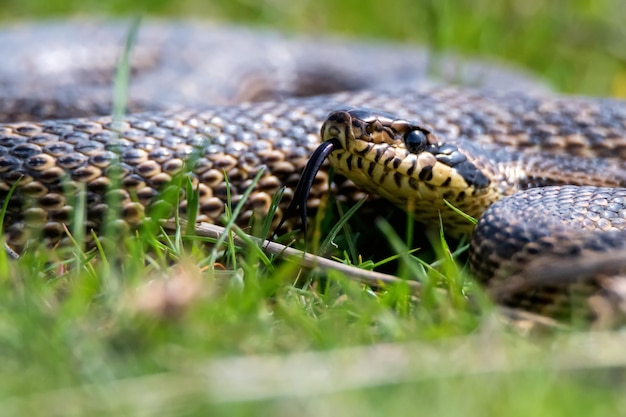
(415, 141)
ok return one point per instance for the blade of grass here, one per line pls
(4, 252)
(231, 215)
(467, 217)
(338, 226)
(122, 74)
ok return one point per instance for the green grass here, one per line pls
(145, 326)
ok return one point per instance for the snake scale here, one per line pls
(555, 163)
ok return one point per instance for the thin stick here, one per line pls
(306, 260)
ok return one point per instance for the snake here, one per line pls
(544, 173)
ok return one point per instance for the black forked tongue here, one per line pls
(301, 195)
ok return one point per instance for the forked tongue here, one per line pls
(301, 195)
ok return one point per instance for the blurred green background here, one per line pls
(576, 45)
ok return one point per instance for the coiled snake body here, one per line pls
(480, 145)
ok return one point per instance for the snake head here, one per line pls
(405, 162)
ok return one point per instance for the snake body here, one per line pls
(527, 214)
(490, 145)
